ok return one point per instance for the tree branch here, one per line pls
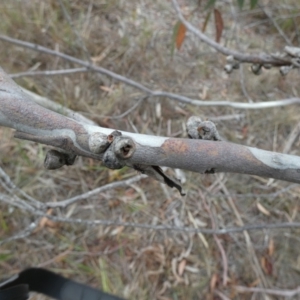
(36, 123)
(149, 92)
(261, 59)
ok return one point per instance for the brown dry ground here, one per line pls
(134, 38)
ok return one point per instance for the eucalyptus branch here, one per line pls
(144, 153)
(47, 103)
(287, 60)
(148, 91)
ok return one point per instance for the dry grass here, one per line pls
(133, 38)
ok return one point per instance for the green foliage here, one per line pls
(210, 4)
(240, 3)
(175, 33)
(253, 3)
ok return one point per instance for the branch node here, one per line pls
(210, 171)
(98, 143)
(203, 130)
(256, 69)
(120, 149)
(228, 68)
(55, 159)
(232, 64)
(284, 70)
(124, 147)
(267, 66)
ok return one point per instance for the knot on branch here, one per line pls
(231, 64)
(204, 130)
(120, 149)
(55, 159)
(289, 59)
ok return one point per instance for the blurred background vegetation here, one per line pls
(135, 39)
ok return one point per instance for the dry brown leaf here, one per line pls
(266, 265)
(45, 222)
(174, 271)
(181, 267)
(106, 89)
(117, 230)
(262, 209)
(213, 281)
(219, 24)
(180, 35)
(271, 247)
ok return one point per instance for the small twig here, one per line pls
(13, 188)
(276, 292)
(49, 72)
(110, 186)
(16, 202)
(169, 228)
(56, 258)
(22, 234)
(291, 138)
(221, 295)
(241, 57)
(218, 242)
(227, 117)
(79, 39)
(250, 247)
(127, 112)
(149, 92)
(268, 13)
(237, 40)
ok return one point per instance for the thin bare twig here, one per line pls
(237, 40)
(241, 57)
(12, 188)
(268, 13)
(79, 39)
(149, 92)
(49, 72)
(110, 186)
(22, 234)
(291, 138)
(221, 295)
(250, 247)
(276, 292)
(127, 112)
(16, 202)
(217, 240)
(171, 228)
